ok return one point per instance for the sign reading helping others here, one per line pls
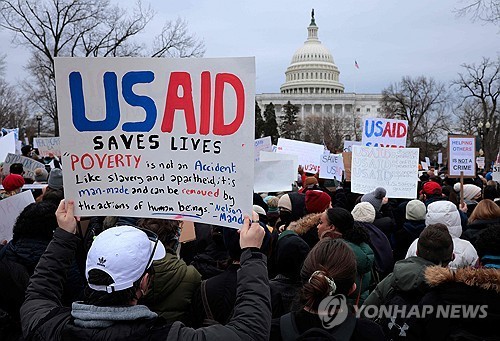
(169, 138)
(461, 156)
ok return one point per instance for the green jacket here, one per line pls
(364, 262)
(408, 275)
(172, 289)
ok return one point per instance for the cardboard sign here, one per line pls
(394, 169)
(262, 144)
(158, 137)
(347, 158)
(272, 156)
(48, 145)
(29, 165)
(309, 154)
(188, 233)
(381, 132)
(10, 208)
(331, 166)
(461, 156)
(7, 145)
(273, 176)
(348, 145)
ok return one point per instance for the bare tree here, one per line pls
(422, 102)
(479, 87)
(89, 28)
(13, 112)
(482, 10)
(328, 130)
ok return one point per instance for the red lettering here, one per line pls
(402, 130)
(388, 131)
(206, 97)
(174, 102)
(220, 128)
(100, 160)
(74, 159)
(119, 160)
(87, 156)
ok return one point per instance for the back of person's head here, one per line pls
(26, 150)
(450, 194)
(415, 210)
(432, 189)
(317, 201)
(16, 168)
(444, 212)
(490, 192)
(36, 221)
(487, 248)
(291, 251)
(364, 212)
(13, 182)
(261, 212)
(486, 209)
(168, 231)
(344, 223)
(116, 263)
(55, 179)
(41, 175)
(435, 244)
(53, 195)
(329, 269)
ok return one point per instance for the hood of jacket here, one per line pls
(482, 278)
(26, 251)
(408, 273)
(444, 212)
(169, 273)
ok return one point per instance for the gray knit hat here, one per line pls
(375, 197)
(41, 175)
(415, 210)
(56, 179)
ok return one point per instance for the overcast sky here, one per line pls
(388, 38)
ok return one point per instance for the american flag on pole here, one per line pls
(356, 64)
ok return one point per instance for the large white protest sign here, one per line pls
(382, 132)
(496, 172)
(272, 156)
(309, 154)
(29, 165)
(263, 144)
(7, 145)
(10, 208)
(461, 156)
(348, 145)
(331, 166)
(273, 176)
(395, 169)
(158, 137)
(48, 145)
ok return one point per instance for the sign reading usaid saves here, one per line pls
(381, 132)
(169, 138)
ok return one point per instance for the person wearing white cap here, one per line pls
(118, 271)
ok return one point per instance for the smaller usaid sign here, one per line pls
(381, 132)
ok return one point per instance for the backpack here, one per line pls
(289, 331)
(395, 327)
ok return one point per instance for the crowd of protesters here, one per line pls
(110, 278)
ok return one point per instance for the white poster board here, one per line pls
(480, 161)
(262, 144)
(331, 166)
(395, 169)
(428, 161)
(309, 154)
(273, 176)
(10, 208)
(348, 145)
(382, 132)
(461, 156)
(425, 165)
(272, 156)
(48, 145)
(440, 158)
(7, 145)
(29, 165)
(158, 137)
(496, 172)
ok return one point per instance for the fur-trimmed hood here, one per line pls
(304, 224)
(483, 278)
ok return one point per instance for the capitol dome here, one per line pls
(312, 70)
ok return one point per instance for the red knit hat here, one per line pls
(432, 187)
(317, 201)
(12, 182)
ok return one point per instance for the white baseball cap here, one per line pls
(124, 253)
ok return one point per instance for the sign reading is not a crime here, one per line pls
(158, 137)
(461, 156)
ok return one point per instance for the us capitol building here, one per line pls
(313, 85)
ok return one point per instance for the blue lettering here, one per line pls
(380, 128)
(145, 102)
(369, 132)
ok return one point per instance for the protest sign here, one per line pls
(158, 137)
(425, 165)
(308, 153)
(48, 145)
(440, 158)
(347, 158)
(461, 156)
(188, 233)
(496, 172)
(348, 145)
(271, 156)
(7, 145)
(394, 169)
(480, 162)
(331, 166)
(262, 144)
(381, 132)
(10, 208)
(29, 165)
(273, 176)
(428, 161)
